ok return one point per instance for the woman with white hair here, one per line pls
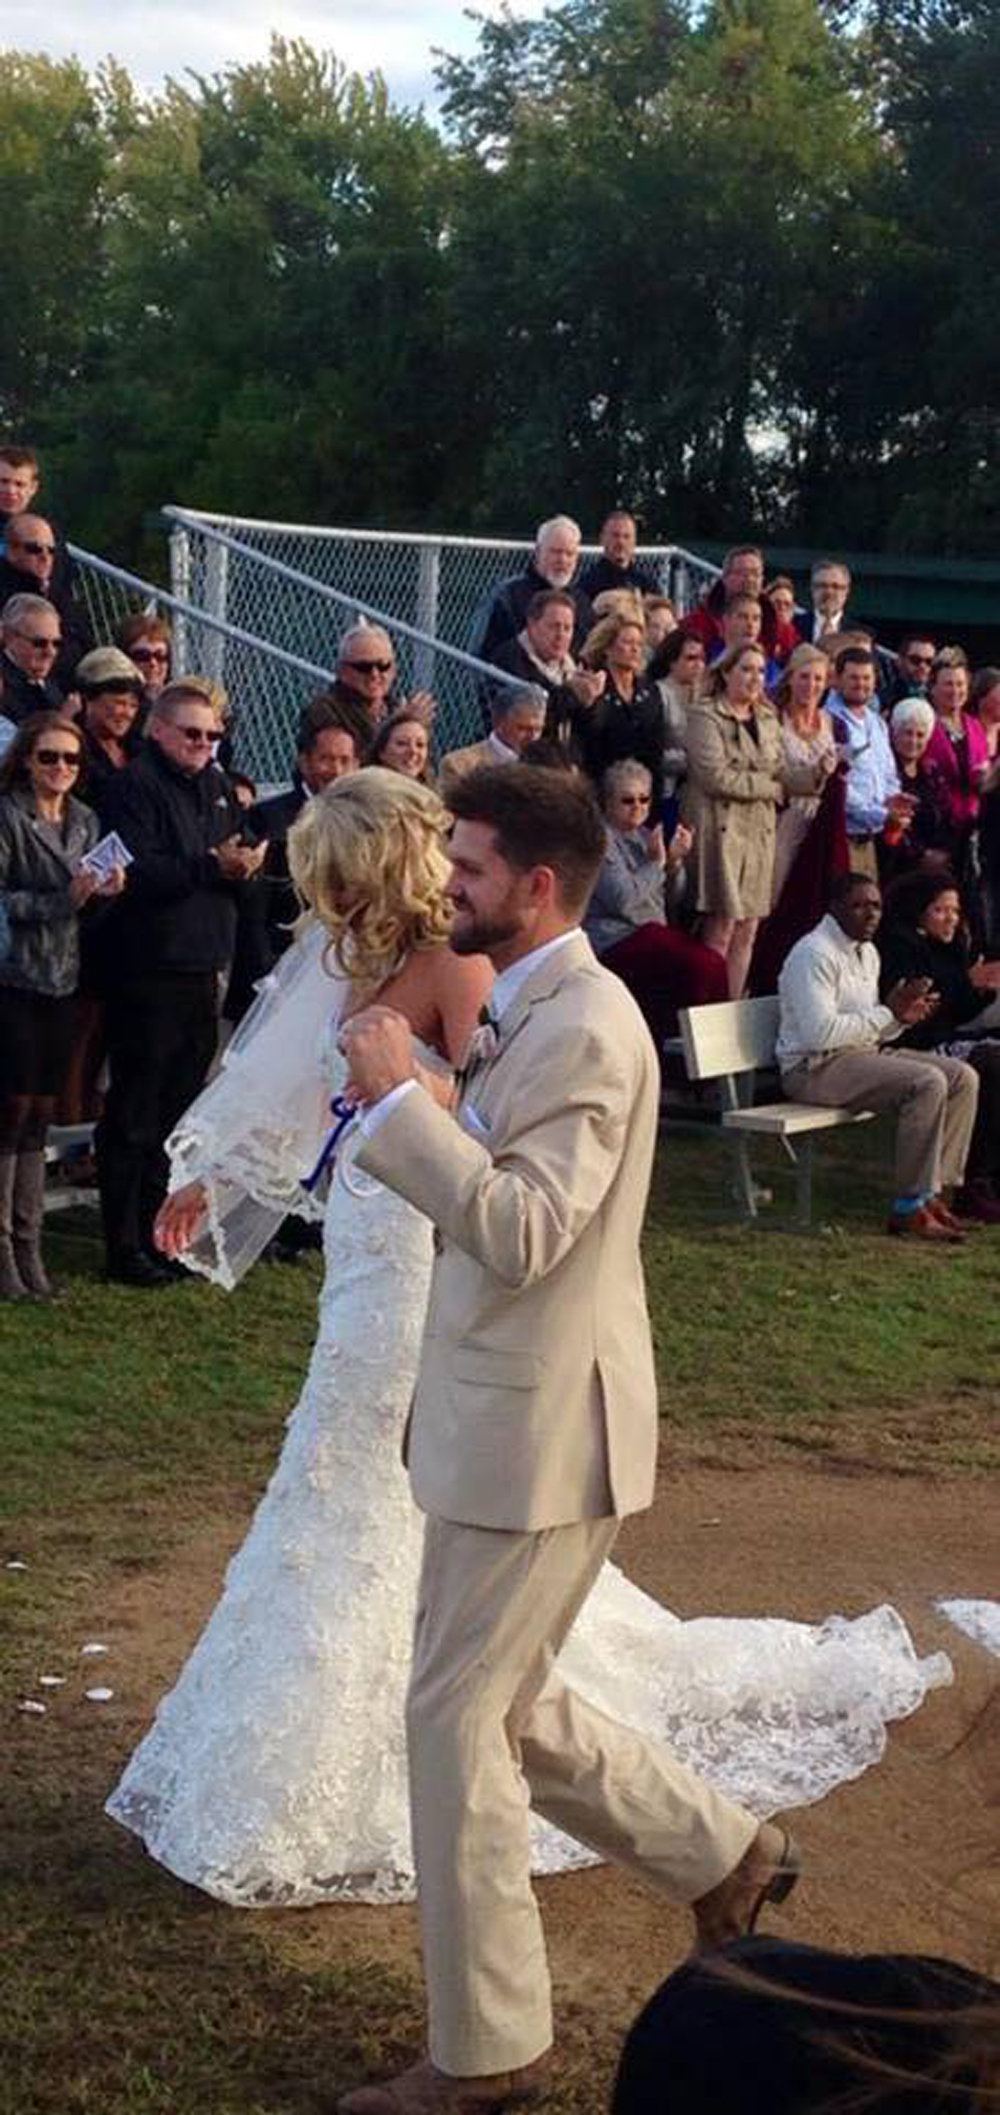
(627, 922)
(926, 839)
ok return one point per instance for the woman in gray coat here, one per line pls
(626, 920)
(44, 834)
(738, 775)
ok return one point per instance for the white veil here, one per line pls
(257, 1129)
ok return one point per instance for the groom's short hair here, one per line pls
(540, 818)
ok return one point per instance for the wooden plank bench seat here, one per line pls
(731, 1042)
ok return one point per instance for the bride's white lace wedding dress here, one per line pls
(275, 1770)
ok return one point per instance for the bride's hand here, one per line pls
(180, 1219)
(378, 1046)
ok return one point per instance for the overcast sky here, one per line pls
(165, 36)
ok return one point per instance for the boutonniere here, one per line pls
(482, 1046)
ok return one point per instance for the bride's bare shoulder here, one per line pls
(467, 978)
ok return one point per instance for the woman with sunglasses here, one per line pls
(147, 642)
(45, 833)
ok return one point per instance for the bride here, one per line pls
(275, 1771)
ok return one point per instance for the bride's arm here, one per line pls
(463, 984)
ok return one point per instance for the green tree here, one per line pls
(272, 320)
(53, 165)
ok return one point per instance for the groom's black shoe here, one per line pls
(767, 1872)
(424, 2090)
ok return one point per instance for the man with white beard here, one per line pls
(552, 564)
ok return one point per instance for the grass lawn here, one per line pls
(128, 1419)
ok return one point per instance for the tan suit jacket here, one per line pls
(459, 761)
(535, 1402)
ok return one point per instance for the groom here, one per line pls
(533, 1430)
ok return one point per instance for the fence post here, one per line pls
(179, 543)
(213, 648)
(426, 620)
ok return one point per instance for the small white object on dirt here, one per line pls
(16, 1564)
(92, 1652)
(99, 1696)
(51, 1681)
(31, 1708)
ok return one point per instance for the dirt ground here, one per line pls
(894, 1861)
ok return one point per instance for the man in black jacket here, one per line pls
(28, 568)
(174, 934)
(327, 748)
(32, 636)
(552, 565)
(618, 566)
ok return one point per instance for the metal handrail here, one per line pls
(197, 517)
(196, 614)
(277, 566)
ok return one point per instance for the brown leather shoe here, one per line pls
(961, 1214)
(767, 1872)
(424, 2090)
(925, 1225)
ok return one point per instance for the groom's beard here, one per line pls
(478, 936)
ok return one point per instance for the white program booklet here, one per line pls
(108, 853)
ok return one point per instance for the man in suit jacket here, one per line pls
(518, 718)
(533, 1431)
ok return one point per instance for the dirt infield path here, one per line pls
(893, 1859)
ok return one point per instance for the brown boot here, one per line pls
(29, 1200)
(424, 2090)
(767, 1872)
(12, 1286)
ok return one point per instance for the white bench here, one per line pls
(730, 1042)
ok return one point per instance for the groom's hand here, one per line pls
(378, 1046)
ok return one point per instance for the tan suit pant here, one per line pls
(936, 1097)
(492, 1731)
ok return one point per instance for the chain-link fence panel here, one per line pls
(254, 588)
(266, 687)
(439, 584)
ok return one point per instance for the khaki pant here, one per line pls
(492, 1731)
(936, 1097)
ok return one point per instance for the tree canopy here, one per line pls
(733, 265)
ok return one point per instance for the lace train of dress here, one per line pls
(275, 1770)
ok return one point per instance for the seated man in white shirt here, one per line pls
(518, 718)
(835, 1047)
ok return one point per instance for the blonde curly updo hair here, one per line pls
(367, 855)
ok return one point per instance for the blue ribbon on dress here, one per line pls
(345, 1113)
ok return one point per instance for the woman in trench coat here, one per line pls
(738, 776)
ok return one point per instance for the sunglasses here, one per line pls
(69, 757)
(372, 668)
(149, 653)
(50, 646)
(37, 550)
(197, 737)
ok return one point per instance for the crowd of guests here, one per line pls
(747, 755)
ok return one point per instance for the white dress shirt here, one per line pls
(828, 993)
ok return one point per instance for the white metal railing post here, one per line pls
(213, 652)
(428, 588)
(179, 546)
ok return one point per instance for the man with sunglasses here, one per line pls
(174, 934)
(915, 656)
(365, 689)
(29, 567)
(20, 477)
(31, 632)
